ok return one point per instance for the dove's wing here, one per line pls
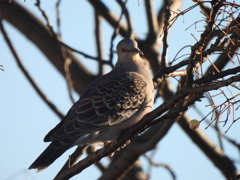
(108, 101)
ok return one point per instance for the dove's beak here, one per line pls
(138, 51)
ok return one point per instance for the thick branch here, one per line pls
(125, 136)
(135, 149)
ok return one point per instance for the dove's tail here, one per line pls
(48, 156)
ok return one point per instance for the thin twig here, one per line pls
(98, 41)
(126, 13)
(83, 54)
(38, 4)
(161, 165)
(73, 158)
(167, 16)
(58, 17)
(115, 32)
(27, 75)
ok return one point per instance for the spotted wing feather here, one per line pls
(108, 101)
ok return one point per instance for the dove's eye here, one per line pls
(127, 51)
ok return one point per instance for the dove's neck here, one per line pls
(132, 65)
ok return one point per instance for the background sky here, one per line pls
(25, 118)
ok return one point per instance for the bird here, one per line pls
(111, 103)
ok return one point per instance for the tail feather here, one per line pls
(48, 156)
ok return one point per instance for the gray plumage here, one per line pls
(110, 104)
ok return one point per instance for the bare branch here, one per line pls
(167, 16)
(110, 17)
(219, 75)
(126, 13)
(98, 42)
(27, 75)
(73, 158)
(214, 153)
(151, 20)
(36, 32)
(161, 165)
(214, 86)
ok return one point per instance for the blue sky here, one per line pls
(25, 119)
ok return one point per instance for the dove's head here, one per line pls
(128, 49)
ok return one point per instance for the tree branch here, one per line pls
(215, 154)
(27, 75)
(36, 32)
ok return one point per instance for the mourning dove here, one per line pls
(111, 103)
